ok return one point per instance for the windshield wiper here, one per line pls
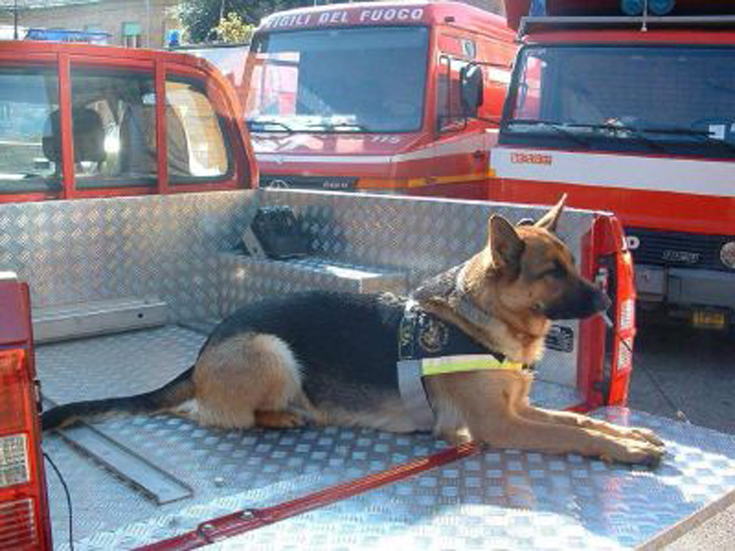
(638, 133)
(263, 124)
(557, 127)
(337, 125)
(706, 136)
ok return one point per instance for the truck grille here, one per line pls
(333, 183)
(684, 250)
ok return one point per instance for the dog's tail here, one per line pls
(168, 396)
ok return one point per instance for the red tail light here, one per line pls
(623, 332)
(13, 389)
(24, 523)
(611, 266)
(18, 525)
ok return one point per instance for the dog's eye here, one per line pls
(556, 272)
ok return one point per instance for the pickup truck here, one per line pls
(112, 276)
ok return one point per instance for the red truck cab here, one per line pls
(80, 120)
(368, 96)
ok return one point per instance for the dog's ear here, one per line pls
(504, 244)
(550, 220)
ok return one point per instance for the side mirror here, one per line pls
(471, 88)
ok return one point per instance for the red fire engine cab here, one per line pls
(377, 97)
(633, 114)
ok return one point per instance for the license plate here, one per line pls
(708, 319)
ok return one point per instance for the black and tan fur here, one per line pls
(330, 358)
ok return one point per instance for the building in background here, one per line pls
(134, 23)
(495, 6)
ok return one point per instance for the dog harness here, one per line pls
(428, 346)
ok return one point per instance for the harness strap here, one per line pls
(413, 394)
(426, 348)
(411, 375)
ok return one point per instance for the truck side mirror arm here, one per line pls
(471, 88)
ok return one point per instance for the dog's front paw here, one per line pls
(635, 452)
(455, 437)
(646, 435)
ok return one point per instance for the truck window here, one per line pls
(677, 99)
(229, 59)
(196, 143)
(113, 122)
(529, 90)
(275, 83)
(339, 80)
(30, 159)
(455, 53)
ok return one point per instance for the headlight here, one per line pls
(727, 254)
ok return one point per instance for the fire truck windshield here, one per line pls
(673, 99)
(359, 79)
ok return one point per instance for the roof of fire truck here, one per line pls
(389, 13)
(18, 49)
(602, 21)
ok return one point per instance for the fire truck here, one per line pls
(632, 111)
(127, 230)
(374, 97)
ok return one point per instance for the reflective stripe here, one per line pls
(413, 394)
(418, 182)
(435, 151)
(474, 362)
(635, 172)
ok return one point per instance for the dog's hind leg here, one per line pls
(246, 380)
(298, 412)
(278, 419)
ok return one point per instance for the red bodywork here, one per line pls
(603, 373)
(65, 57)
(23, 506)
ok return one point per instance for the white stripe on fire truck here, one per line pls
(469, 145)
(700, 177)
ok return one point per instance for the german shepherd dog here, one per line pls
(330, 358)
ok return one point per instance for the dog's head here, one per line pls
(526, 270)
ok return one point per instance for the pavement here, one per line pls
(696, 370)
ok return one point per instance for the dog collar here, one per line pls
(465, 307)
(428, 346)
(450, 285)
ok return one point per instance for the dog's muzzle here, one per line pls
(584, 301)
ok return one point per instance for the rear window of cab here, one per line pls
(113, 132)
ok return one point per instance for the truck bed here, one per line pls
(505, 499)
(168, 265)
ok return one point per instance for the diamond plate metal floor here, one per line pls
(496, 500)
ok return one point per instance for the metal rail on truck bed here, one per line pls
(182, 252)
